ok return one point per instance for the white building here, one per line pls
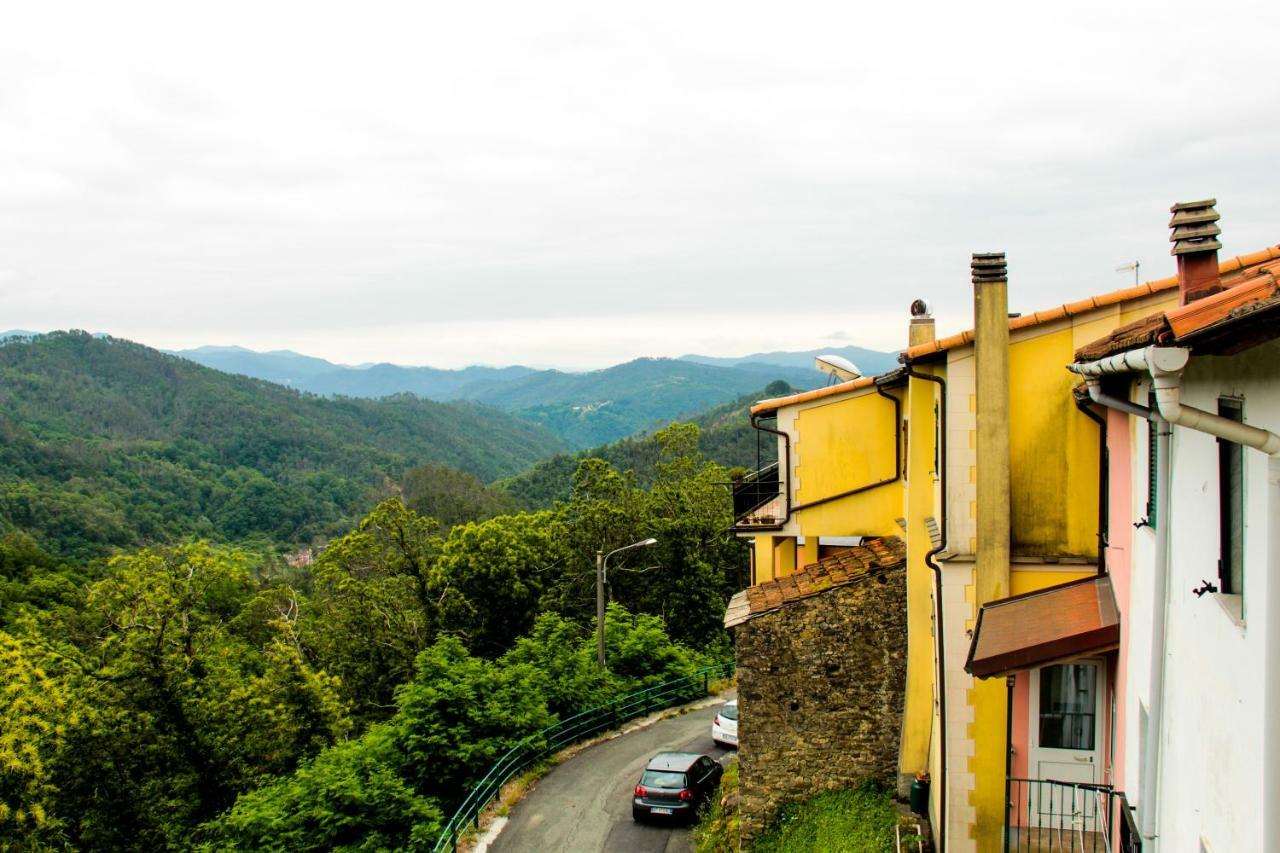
(1201, 723)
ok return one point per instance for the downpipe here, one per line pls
(939, 642)
(1165, 366)
(1271, 654)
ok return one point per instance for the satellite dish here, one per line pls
(838, 367)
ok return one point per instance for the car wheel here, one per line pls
(637, 815)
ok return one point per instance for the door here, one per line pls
(1066, 734)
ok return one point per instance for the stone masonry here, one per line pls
(821, 686)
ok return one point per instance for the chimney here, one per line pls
(921, 330)
(992, 517)
(991, 365)
(1195, 245)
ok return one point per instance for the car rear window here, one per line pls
(729, 712)
(662, 779)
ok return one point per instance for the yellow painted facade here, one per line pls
(845, 441)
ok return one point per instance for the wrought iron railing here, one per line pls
(1049, 816)
(568, 731)
(757, 491)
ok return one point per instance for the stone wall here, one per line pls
(821, 686)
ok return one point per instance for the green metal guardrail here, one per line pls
(551, 740)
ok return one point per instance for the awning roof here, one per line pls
(1043, 627)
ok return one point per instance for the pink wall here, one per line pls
(1021, 719)
(1118, 565)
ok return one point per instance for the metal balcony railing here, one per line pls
(1048, 816)
(758, 500)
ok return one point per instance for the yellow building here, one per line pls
(988, 421)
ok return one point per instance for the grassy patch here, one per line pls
(717, 831)
(854, 820)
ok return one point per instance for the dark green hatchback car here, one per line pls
(675, 785)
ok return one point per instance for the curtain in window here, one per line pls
(1068, 702)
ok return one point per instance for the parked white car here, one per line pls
(724, 731)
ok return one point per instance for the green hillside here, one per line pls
(591, 409)
(107, 444)
(726, 438)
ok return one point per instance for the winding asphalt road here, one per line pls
(584, 804)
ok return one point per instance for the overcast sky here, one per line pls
(578, 184)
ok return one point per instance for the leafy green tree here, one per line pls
(460, 713)
(33, 579)
(372, 609)
(490, 577)
(453, 497)
(563, 653)
(33, 719)
(350, 798)
(185, 710)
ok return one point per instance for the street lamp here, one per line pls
(602, 563)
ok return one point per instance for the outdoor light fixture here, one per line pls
(602, 564)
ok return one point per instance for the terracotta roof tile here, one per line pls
(816, 394)
(1197, 315)
(831, 572)
(1259, 284)
(1072, 309)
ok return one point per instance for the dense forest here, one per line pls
(107, 445)
(725, 437)
(193, 696)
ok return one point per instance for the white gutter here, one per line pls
(1165, 365)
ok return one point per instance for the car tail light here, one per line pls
(719, 722)
(686, 796)
(641, 792)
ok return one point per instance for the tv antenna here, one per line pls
(1133, 266)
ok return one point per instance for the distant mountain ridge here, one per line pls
(586, 409)
(870, 362)
(319, 376)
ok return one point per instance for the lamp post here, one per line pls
(602, 563)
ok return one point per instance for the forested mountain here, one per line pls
(585, 409)
(589, 409)
(307, 373)
(726, 437)
(107, 444)
(871, 362)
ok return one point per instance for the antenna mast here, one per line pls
(1133, 266)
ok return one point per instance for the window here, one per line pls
(1231, 504)
(1068, 706)
(662, 779)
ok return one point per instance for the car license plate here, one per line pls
(660, 811)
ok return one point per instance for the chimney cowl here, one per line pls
(988, 266)
(1195, 228)
(1195, 245)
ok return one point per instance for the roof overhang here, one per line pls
(1047, 626)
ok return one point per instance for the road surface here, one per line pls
(584, 805)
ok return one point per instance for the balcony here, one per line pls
(1047, 816)
(759, 502)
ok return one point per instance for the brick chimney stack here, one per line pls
(1195, 245)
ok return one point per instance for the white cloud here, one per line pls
(325, 173)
